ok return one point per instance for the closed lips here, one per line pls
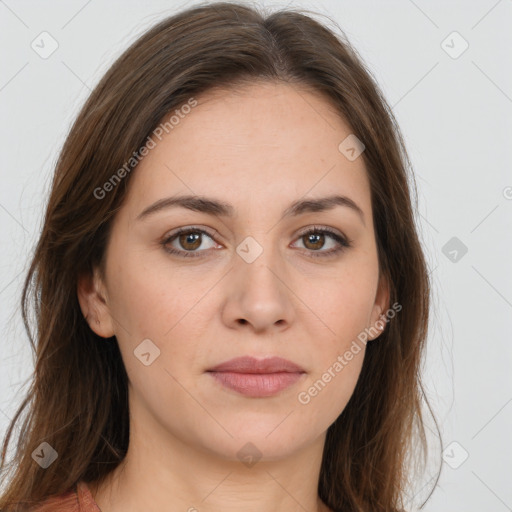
(257, 378)
(249, 364)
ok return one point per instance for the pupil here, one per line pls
(314, 238)
(191, 238)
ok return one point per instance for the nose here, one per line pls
(259, 298)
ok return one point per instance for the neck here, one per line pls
(162, 473)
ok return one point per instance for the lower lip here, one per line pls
(257, 384)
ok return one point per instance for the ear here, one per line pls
(93, 298)
(381, 305)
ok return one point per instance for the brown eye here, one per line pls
(317, 238)
(190, 241)
(187, 242)
(314, 240)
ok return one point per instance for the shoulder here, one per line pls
(66, 502)
(76, 500)
(86, 501)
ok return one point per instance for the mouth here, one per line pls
(257, 377)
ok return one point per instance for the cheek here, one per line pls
(164, 307)
(329, 387)
(341, 307)
(152, 300)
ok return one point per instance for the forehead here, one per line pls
(266, 141)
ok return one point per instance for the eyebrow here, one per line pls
(217, 208)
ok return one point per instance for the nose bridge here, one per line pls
(259, 259)
(258, 293)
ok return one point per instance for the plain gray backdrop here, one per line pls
(444, 67)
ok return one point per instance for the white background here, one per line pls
(456, 116)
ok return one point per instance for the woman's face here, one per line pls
(251, 283)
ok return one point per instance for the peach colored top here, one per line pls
(80, 500)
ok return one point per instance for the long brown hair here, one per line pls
(77, 400)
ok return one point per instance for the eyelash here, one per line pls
(343, 243)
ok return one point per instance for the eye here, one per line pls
(315, 239)
(190, 239)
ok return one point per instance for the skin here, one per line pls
(259, 149)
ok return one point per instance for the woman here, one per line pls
(231, 296)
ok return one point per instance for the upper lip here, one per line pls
(248, 364)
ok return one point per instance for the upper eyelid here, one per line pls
(302, 232)
(341, 240)
(186, 229)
